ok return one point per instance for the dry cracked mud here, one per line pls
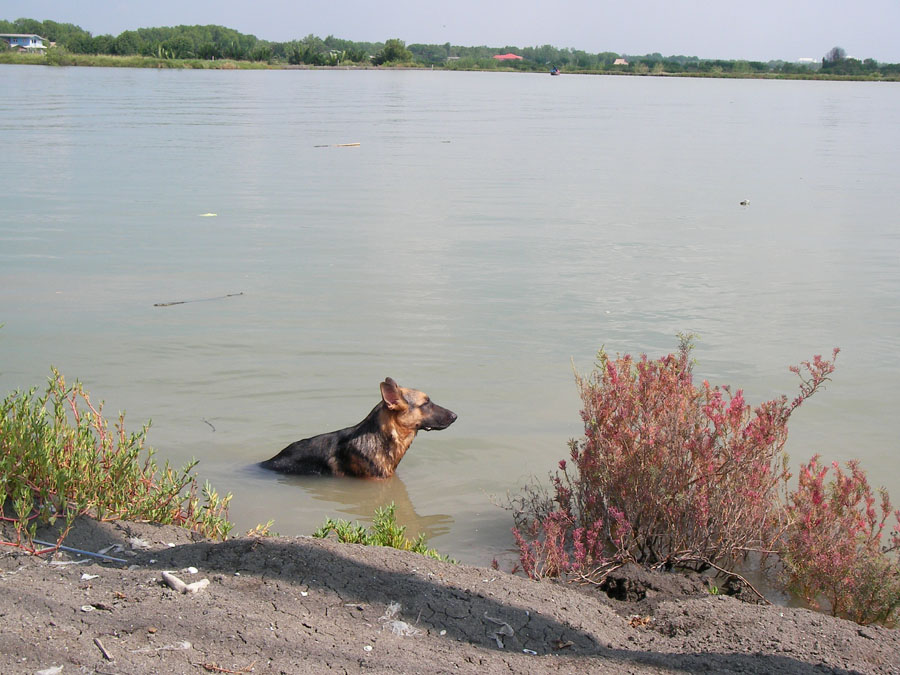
(303, 605)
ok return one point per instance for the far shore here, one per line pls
(110, 61)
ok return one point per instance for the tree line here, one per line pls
(218, 42)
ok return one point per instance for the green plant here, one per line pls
(385, 531)
(260, 530)
(59, 460)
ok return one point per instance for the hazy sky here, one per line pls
(761, 30)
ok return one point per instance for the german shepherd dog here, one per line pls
(374, 447)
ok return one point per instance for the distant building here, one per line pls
(24, 42)
(620, 62)
(508, 57)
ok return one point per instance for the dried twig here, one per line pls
(213, 668)
(729, 573)
(102, 649)
(177, 584)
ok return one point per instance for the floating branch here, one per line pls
(184, 302)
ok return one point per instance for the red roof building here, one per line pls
(508, 57)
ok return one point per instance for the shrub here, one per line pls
(60, 460)
(385, 531)
(832, 548)
(668, 474)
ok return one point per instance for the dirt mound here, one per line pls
(302, 605)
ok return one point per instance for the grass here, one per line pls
(60, 460)
(61, 57)
(385, 531)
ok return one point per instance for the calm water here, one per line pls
(488, 231)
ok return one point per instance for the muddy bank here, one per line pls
(302, 605)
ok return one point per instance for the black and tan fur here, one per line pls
(374, 447)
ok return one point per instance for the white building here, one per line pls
(24, 42)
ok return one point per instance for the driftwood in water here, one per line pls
(184, 302)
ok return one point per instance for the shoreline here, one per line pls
(303, 605)
(111, 61)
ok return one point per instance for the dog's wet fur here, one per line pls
(374, 447)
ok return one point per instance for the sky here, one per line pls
(756, 31)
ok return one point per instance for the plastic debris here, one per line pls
(69, 549)
(70, 562)
(389, 620)
(52, 670)
(505, 630)
(116, 548)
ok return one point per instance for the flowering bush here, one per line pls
(668, 474)
(832, 549)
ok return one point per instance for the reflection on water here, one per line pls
(368, 495)
(489, 230)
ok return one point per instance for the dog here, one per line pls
(374, 447)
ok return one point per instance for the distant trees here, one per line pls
(51, 30)
(835, 55)
(836, 62)
(394, 51)
(218, 42)
(430, 54)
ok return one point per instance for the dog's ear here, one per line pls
(390, 394)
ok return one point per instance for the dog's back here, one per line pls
(374, 447)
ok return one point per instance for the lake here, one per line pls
(489, 232)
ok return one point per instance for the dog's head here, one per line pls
(413, 409)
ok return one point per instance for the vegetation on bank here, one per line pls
(385, 531)
(668, 475)
(674, 475)
(57, 56)
(59, 460)
(220, 47)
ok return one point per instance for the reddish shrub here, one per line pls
(832, 548)
(667, 474)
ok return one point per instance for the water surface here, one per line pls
(489, 230)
